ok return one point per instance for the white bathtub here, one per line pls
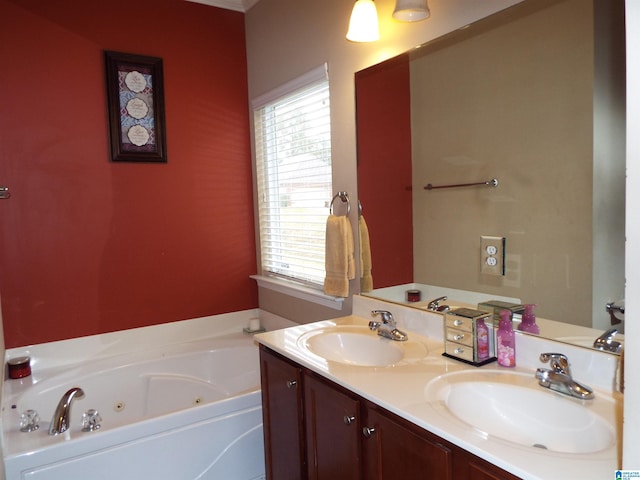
(185, 411)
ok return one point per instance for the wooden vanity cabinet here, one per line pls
(395, 449)
(332, 431)
(282, 417)
(322, 431)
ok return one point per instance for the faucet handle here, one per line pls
(558, 361)
(387, 317)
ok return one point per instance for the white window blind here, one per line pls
(293, 167)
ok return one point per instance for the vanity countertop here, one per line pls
(400, 388)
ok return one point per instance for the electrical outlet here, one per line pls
(492, 253)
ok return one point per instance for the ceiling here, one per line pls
(237, 5)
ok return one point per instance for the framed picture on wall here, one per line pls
(135, 100)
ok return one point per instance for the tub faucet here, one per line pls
(387, 327)
(60, 420)
(558, 378)
(605, 342)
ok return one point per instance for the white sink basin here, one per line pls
(358, 346)
(513, 407)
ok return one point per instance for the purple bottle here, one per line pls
(506, 341)
(528, 323)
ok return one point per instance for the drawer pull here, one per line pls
(348, 420)
(459, 351)
(291, 384)
(368, 431)
(458, 323)
(458, 337)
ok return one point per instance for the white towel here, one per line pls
(339, 260)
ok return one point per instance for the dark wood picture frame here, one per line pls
(135, 100)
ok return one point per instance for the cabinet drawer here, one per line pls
(458, 350)
(461, 323)
(460, 336)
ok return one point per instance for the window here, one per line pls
(293, 169)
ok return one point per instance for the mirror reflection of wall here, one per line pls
(525, 101)
(383, 106)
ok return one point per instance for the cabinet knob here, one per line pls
(291, 384)
(368, 431)
(348, 420)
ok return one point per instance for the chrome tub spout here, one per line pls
(60, 420)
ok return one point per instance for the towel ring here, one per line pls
(344, 196)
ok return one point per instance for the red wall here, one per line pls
(383, 111)
(89, 246)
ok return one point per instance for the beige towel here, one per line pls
(366, 280)
(339, 261)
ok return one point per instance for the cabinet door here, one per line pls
(395, 450)
(282, 417)
(332, 432)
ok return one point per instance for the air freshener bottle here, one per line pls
(482, 340)
(528, 323)
(506, 341)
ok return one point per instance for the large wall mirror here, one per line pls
(534, 97)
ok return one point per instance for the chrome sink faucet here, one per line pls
(606, 342)
(60, 420)
(435, 306)
(387, 327)
(558, 377)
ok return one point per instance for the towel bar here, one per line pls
(490, 183)
(344, 196)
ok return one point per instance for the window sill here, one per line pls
(298, 291)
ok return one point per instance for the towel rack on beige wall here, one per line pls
(490, 183)
(344, 196)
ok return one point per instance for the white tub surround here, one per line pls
(178, 400)
(400, 388)
(45, 356)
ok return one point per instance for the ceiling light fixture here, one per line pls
(363, 25)
(411, 10)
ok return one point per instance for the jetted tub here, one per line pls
(185, 411)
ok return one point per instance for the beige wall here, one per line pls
(514, 103)
(631, 443)
(609, 158)
(286, 38)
